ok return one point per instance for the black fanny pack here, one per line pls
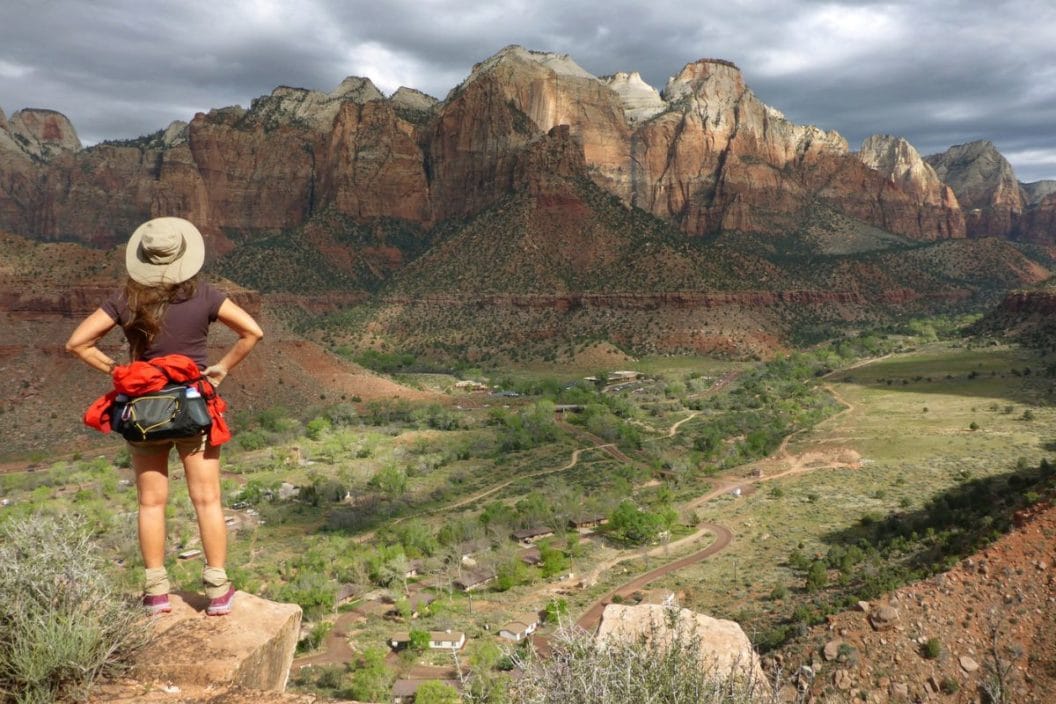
(177, 411)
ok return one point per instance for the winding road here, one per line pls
(336, 646)
(723, 537)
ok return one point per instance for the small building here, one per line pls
(469, 548)
(519, 628)
(438, 640)
(532, 557)
(532, 534)
(404, 691)
(568, 408)
(472, 579)
(626, 375)
(414, 568)
(587, 520)
(345, 592)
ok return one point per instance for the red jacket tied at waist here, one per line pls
(140, 378)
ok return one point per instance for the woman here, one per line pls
(165, 309)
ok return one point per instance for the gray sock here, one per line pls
(215, 581)
(156, 581)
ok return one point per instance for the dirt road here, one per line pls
(723, 537)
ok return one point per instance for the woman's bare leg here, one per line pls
(152, 487)
(203, 484)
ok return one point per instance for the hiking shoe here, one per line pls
(221, 605)
(156, 604)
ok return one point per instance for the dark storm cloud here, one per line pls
(938, 73)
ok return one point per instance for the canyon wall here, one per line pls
(705, 154)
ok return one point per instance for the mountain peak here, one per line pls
(357, 89)
(561, 64)
(640, 100)
(413, 99)
(42, 133)
(899, 161)
(705, 76)
(985, 185)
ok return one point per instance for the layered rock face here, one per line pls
(706, 155)
(985, 185)
(43, 134)
(896, 159)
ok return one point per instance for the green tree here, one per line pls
(556, 609)
(317, 427)
(553, 561)
(817, 576)
(436, 692)
(391, 480)
(371, 680)
(631, 525)
(419, 640)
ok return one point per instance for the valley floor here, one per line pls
(401, 504)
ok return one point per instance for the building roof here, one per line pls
(526, 620)
(472, 578)
(532, 532)
(434, 636)
(585, 518)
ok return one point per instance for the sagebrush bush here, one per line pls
(62, 623)
(580, 671)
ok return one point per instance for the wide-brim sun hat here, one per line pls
(164, 251)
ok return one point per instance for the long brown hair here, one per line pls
(146, 307)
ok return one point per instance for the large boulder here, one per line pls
(724, 646)
(250, 648)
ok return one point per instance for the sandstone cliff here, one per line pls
(42, 134)
(985, 185)
(707, 155)
(903, 166)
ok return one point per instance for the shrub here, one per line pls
(315, 637)
(317, 427)
(312, 592)
(580, 671)
(932, 648)
(62, 624)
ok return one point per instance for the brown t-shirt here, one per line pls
(184, 326)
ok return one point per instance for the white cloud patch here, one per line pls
(12, 70)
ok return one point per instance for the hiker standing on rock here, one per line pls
(165, 311)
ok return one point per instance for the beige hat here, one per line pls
(164, 251)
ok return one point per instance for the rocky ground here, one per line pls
(987, 623)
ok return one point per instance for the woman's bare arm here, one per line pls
(84, 339)
(249, 334)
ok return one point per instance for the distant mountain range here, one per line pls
(705, 155)
(538, 195)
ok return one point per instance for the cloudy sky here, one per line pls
(938, 72)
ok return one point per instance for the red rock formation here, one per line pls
(43, 134)
(708, 156)
(1038, 222)
(373, 166)
(985, 185)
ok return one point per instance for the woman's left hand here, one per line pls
(215, 374)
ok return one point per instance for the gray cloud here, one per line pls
(937, 72)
